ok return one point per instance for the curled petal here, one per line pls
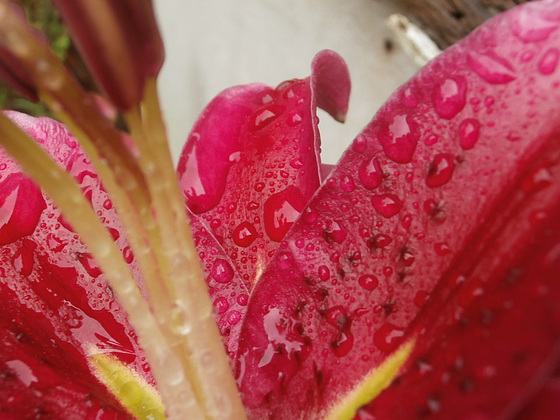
(251, 163)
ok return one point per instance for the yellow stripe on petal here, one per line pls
(371, 386)
(133, 392)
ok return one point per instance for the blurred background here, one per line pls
(215, 44)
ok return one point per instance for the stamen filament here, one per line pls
(174, 387)
(209, 364)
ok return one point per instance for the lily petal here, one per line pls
(424, 188)
(252, 162)
(58, 309)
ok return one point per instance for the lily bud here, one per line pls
(11, 70)
(120, 42)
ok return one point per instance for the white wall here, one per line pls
(214, 44)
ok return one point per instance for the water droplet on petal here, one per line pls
(295, 119)
(360, 144)
(440, 170)
(387, 337)
(529, 27)
(368, 282)
(492, 68)
(335, 231)
(324, 272)
(442, 248)
(549, 61)
(310, 215)
(347, 183)
(281, 211)
(398, 136)
(469, 132)
(343, 343)
(265, 116)
(222, 271)
(387, 205)
(234, 317)
(450, 97)
(284, 260)
(370, 173)
(244, 234)
(221, 304)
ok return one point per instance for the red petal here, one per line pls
(57, 307)
(438, 204)
(251, 162)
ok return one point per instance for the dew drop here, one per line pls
(370, 173)
(387, 337)
(398, 136)
(450, 97)
(469, 132)
(335, 232)
(442, 248)
(343, 343)
(360, 144)
(281, 211)
(549, 61)
(233, 317)
(492, 68)
(222, 271)
(529, 27)
(387, 205)
(244, 234)
(368, 282)
(347, 183)
(324, 272)
(265, 116)
(221, 304)
(295, 119)
(284, 260)
(440, 170)
(296, 163)
(310, 215)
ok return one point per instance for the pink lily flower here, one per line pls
(417, 278)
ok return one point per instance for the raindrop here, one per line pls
(244, 234)
(387, 337)
(440, 170)
(469, 132)
(324, 272)
(265, 116)
(221, 304)
(281, 211)
(529, 27)
(387, 205)
(222, 271)
(442, 248)
(549, 61)
(284, 260)
(398, 136)
(295, 119)
(234, 317)
(450, 97)
(370, 173)
(492, 68)
(347, 183)
(368, 282)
